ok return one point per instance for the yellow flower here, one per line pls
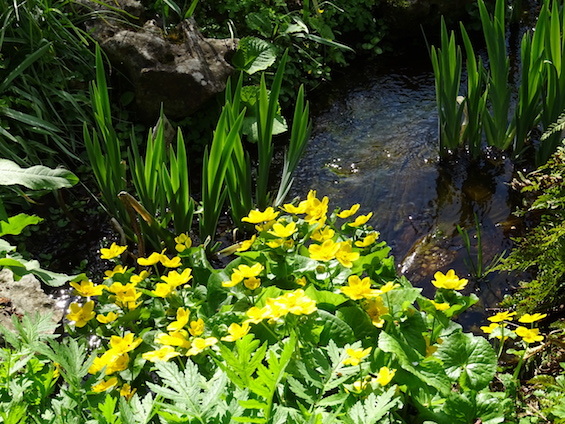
(173, 262)
(108, 318)
(323, 234)
(183, 242)
(490, 328)
(241, 272)
(345, 256)
(290, 208)
(528, 319)
(199, 344)
(163, 354)
(135, 279)
(449, 281)
(283, 231)
(388, 287)
(246, 244)
(105, 385)
(174, 338)
(118, 269)
(153, 259)
(113, 251)
(196, 327)
(256, 217)
(368, 240)
(163, 290)
(502, 316)
(124, 344)
(275, 243)
(385, 375)
(111, 360)
(361, 220)
(126, 391)
(81, 314)
(359, 289)
(356, 355)
(117, 288)
(375, 308)
(174, 279)
(441, 306)
(128, 298)
(182, 320)
(87, 288)
(236, 332)
(252, 283)
(301, 281)
(316, 210)
(295, 302)
(529, 335)
(323, 252)
(349, 212)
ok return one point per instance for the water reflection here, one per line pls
(377, 146)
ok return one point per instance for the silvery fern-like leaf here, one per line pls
(189, 393)
(137, 410)
(373, 408)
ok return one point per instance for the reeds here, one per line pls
(488, 115)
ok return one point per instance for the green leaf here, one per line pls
(35, 178)
(468, 359)
(16, 224)
(324, 298)
(254, 55)
(334, 329)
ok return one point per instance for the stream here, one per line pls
(375, 142)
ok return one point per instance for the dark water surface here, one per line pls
(376, 144)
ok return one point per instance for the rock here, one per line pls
(181, 69)
(24, 296)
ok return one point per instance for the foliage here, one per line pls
(37, 178)
(540, 251)
(160, 190)
(308, 324)
(309, 30)
(486, 108)
(44, 63)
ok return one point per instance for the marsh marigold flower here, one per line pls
(257, 217)
(246, 244)
(529, 335)
(368, 240)
(126, 391)
(528, 319)
(87, 288)
(182, 319)
(449, 281)
(153, 259)
(174, 338)
(323, 234)
(241, 272)
(108, 318)
(359, 288)
(124, 344)
(113, 251)
(349, 212)
(375, 308)
(196, 328)
(502, 316)
(385, 375)
(199, 344)
(175, 279)
(236, 331)
(81, 314)
(283, 231)
(118, 269)
(105, 385)
(355, 356)
(163, 354)
(345, 255)
(323, 252)
(183, 242)
(361, 220)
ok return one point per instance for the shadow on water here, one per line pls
(377, 145)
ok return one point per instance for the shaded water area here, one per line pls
(376, 143)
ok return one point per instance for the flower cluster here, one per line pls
(499, 327)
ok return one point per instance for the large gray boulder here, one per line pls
(24, 296)
(180, 69)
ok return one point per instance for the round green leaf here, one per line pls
(469, 359)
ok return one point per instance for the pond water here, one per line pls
(376, 143)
